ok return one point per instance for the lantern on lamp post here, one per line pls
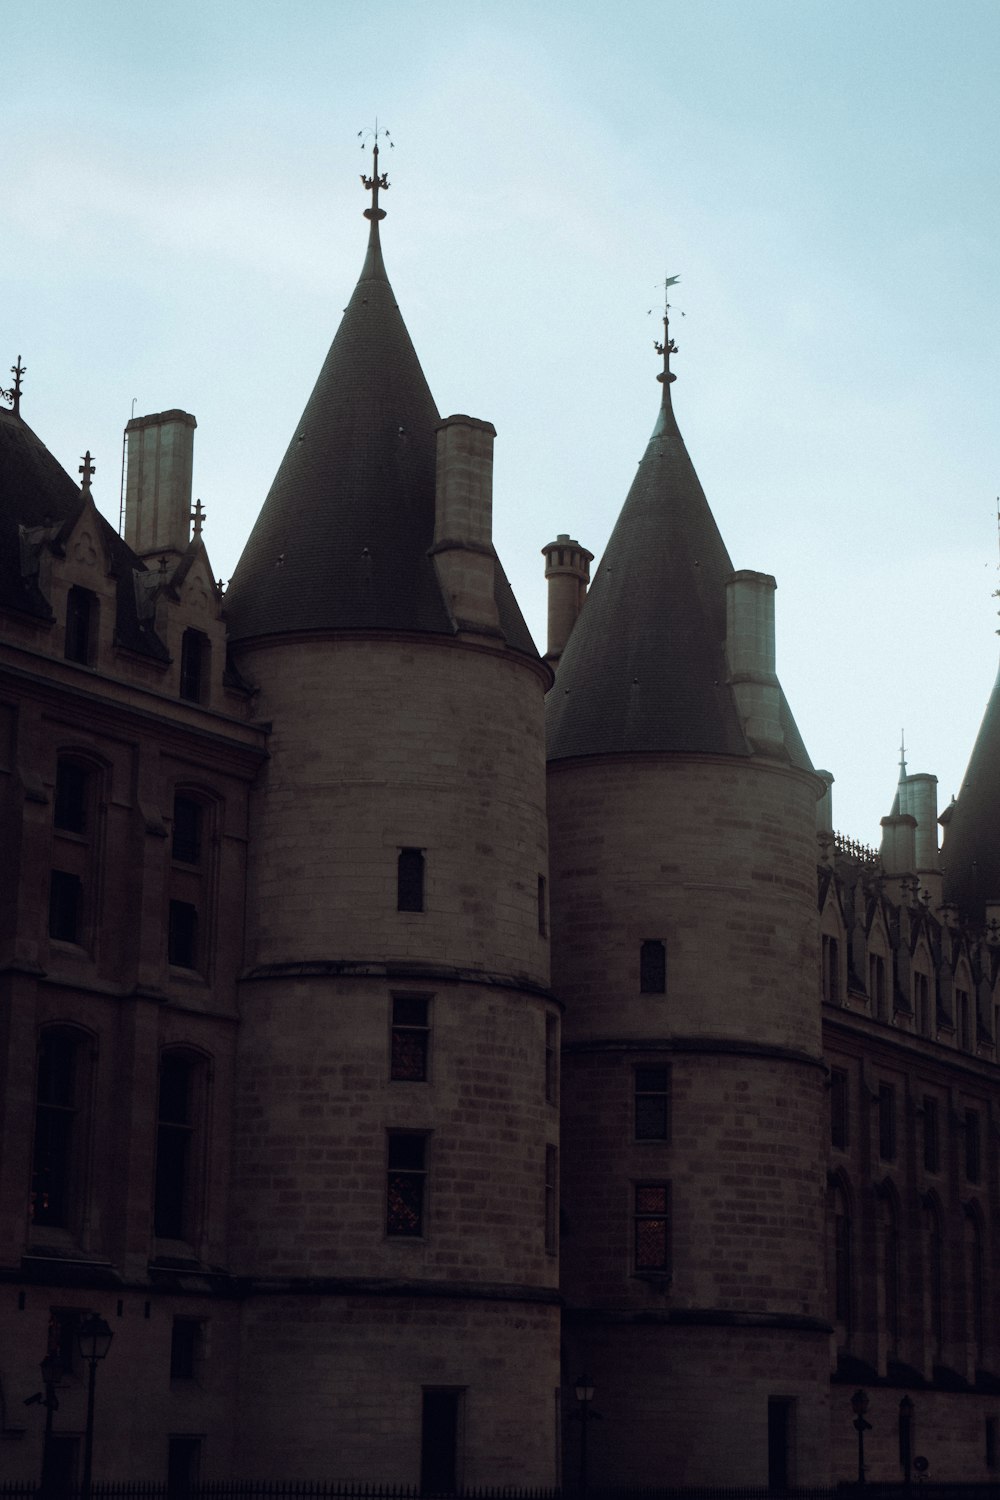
(94, 1340)
(859, 1406)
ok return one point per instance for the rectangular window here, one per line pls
(551, 1199)
(440, 1434)
(410, 880)
(922, 1001)
(70, 810)
(876, 985)
(186, 842)
(839, 1109)
(175, 1131)
(887, 1122)
(182, 935)
(843, 1271)
(653, 967)
(194, 652)
(65, 906)
(932, 1135)
(185, 1348)
(652, 1104)
(410, 1041)
(81, 616)
(973, 1154)
(55, 1128)
(551, 1060)
(652, 1227)
(406, 1182)
(780, 1427)
(183, 1465)
(831, 969)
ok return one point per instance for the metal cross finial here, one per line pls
(198, 517)
(14, 394)
(87, 469)
(668, 346)
(377, 180)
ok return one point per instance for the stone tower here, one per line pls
(684, 942)
(395, 1169)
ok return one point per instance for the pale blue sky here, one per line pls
(181, 223)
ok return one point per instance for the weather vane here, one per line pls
(377, 180)
(14, 394)
(668, 346)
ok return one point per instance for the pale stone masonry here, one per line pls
(396, 1026)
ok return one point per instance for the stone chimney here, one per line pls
(567, 570)
(463, 523)
(750, 656)
(158, 483)
(899, 844)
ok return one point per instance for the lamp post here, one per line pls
(584, 1394)
(94, 1340)
(51, 1370)
(859, 1405)
(906, 1439)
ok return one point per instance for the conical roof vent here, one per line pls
(645, 669)
(342, 539)
(971, 853)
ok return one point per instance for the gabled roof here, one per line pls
(342, 539)
(970, 857)
(644, 669)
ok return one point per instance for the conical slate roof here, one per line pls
(342, 539)
(644, 669)
(971, 853)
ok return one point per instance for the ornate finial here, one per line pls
(668, 346)
(87, 469)
(198, 517)
(902, 755)
(14, 394)
(377, 180)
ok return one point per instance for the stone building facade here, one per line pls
(374, 1083)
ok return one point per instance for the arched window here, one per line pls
(181, 1110)
(58, 1167)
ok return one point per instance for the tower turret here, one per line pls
(682, 832)
(395, 1172)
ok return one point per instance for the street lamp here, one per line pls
(859, 1405)
(906, 1439)
(93, 1338)
(584, 1394)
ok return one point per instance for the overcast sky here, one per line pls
(181, 225)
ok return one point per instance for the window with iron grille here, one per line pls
(651, 1222)
(410, 1039)
(406, 1183)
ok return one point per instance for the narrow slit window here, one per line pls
(410, 880)
(653, 967)
(194, 657)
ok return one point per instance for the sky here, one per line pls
(181, 226)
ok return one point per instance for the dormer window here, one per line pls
(81, 626)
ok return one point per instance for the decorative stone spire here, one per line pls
(668, 346)
(87, 468)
